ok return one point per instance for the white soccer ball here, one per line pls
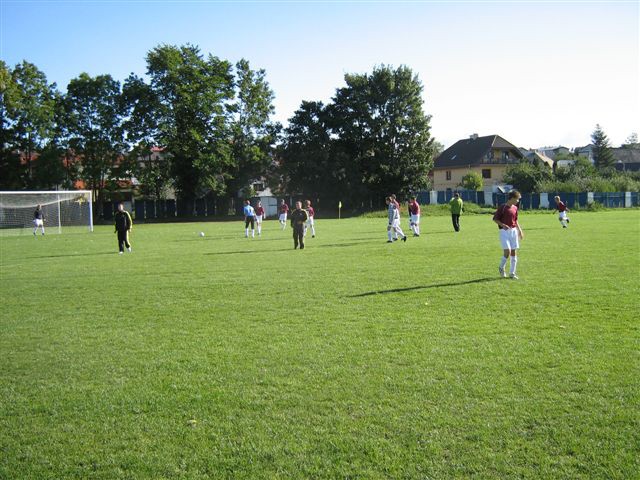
(202, 234)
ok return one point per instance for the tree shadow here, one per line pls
(73, 255)
(425, 287)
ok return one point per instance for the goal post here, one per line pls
(63, 211)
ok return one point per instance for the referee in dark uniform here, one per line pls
(123, 224)
(298, 219)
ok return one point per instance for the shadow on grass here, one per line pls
(74, 255)
(425, 287)
(239, 252)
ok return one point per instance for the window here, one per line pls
(486, 173)
(448, 174)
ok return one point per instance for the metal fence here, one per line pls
(167, 210)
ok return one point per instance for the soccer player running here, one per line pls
(394, 221)
(38, 220)
(298, 219)
(310, 223)
(510, 232)
(395, 201)
(260, 215)
(284, 209)
(414, 216)
(249, 218)
(456, 209)
(562, 209)
(123, 224)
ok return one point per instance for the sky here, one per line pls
(536, 73)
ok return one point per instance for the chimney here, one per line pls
(473, 136)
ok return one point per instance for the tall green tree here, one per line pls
(30, 110)
(142, 107)
(12, 173)
(603, 157)
(380, 122)
(631, 142)
(253, 135)
(194, 94)
(309, 159)
(94, 131)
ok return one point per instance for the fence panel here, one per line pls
(139, 211)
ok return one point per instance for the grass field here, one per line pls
(223, 357)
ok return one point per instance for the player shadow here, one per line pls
(425, 287)
(73, 255)
(250, 251)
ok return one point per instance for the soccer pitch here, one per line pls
(226, 357)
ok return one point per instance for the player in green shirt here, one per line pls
(456, 209)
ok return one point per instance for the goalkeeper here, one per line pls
(123, 224)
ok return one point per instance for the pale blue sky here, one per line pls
(537, 73)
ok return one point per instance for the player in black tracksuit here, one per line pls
(123, 224)
(298, 219)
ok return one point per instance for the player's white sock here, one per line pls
(514, 262)
(253, 233)
(417, 227)
(399, 231)
(259, 229)
(313, 230)
(389, 235)
(246, 232)
(503, 262)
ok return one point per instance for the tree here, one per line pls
(380, 125)
(94, 130)
(472, 181)
(11, 170)
(252, 134)
(145, 160)
(632, 142)
(309, 158)
(526, 177)
(193, 95)
(30, 109)
(603, 157)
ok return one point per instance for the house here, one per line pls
(537, 157)
(626, 159)
(489, 156)
(553, 152)
(586, 151)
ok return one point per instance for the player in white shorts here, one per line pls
(394, 221)
(562, 209)
(260, 215)
(510, 232)
(414, 216)
(284, 209)
(38, 220)
(310, 223)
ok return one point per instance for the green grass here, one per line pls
(222, 357)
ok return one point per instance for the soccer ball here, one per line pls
(202, 234)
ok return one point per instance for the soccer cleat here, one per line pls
(564, 226)
(129, 249)
(567, 220)
(513, 276)
(389, 241)
(395, 239)
(404, 239)
(503, 274)
(313, 236)
(120, 253)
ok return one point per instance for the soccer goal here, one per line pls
(62, 211)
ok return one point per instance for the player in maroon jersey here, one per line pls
(284, 210)
(414, 216)
(310, 223)
(562, 209)
(510, 232)
(260, 215)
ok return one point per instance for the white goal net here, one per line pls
(62, 211)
